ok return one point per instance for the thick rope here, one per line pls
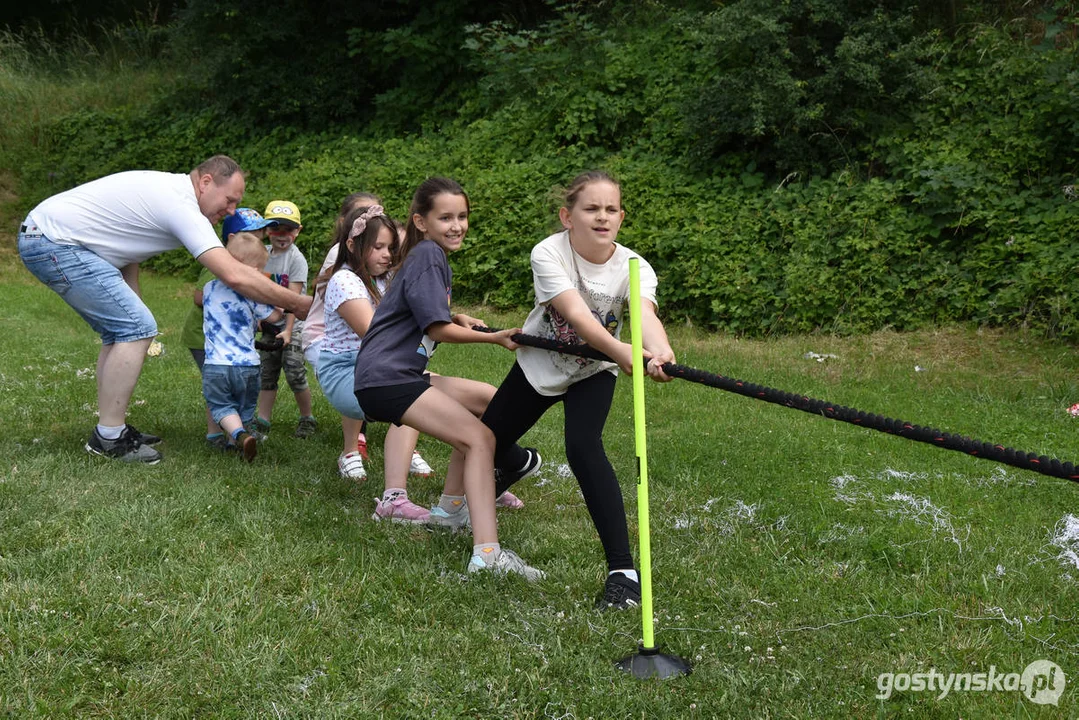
(948, 441)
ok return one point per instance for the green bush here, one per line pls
(579, 80)
(310, 65)
(955, 205)
(802, 85)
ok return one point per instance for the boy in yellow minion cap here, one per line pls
(287, 267)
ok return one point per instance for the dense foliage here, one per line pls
(313, 64)
(788, 165)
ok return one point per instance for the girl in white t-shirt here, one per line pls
(581, 278)
(366, 250)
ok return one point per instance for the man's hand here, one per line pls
(302, 307)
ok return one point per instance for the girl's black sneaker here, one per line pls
(619, 593)
(505, 478)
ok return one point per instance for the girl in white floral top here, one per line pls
(367, 248)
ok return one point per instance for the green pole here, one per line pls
(649, 662)
(642, 452)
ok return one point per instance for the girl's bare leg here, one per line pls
(398, 448)
(475, 396)
(350, 430)
(439, 414)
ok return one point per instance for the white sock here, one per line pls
(108, 432)
(631, 574)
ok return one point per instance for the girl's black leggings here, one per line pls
(516, 407)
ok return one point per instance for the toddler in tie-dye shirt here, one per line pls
(230, 376)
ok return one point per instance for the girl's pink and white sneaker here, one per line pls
(510, 501)
(398, 508)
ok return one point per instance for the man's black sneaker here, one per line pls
(619, 593)
(126, 448)
(144, 438)
(505, 478)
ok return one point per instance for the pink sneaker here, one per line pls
(510, 501)
(398, 508)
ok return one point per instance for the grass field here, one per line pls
(795, 559)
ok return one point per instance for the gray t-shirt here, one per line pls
(284, 268)
(395, 349)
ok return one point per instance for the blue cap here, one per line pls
(244, 219)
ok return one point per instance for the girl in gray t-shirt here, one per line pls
(391, 380)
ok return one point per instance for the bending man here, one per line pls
(86, 245)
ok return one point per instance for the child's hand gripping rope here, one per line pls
(269, 340)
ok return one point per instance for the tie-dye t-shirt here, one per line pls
(229, 321)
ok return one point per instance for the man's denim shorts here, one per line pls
(92, 287)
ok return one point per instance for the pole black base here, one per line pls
(650, 662)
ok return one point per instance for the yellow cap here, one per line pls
(283, 212)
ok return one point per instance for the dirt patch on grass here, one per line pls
(8, 221)
(10, 266)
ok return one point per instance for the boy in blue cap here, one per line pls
(230, 375)
(243, 220)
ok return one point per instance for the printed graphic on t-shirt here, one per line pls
(610, 323)
(279, 278)
(564, 332)
(427, 346)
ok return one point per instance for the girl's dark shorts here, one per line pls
(389, 403)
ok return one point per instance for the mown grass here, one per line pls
(794, 558)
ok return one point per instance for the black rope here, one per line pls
(948, 441)
(269, 340)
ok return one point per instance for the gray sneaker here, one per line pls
(217, 442)
(144, 438)
(254, 429)
(125, 448)
(306, 427)
(454, 521)
(258, 427)
(506, 562)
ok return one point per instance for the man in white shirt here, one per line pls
(86, 244)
